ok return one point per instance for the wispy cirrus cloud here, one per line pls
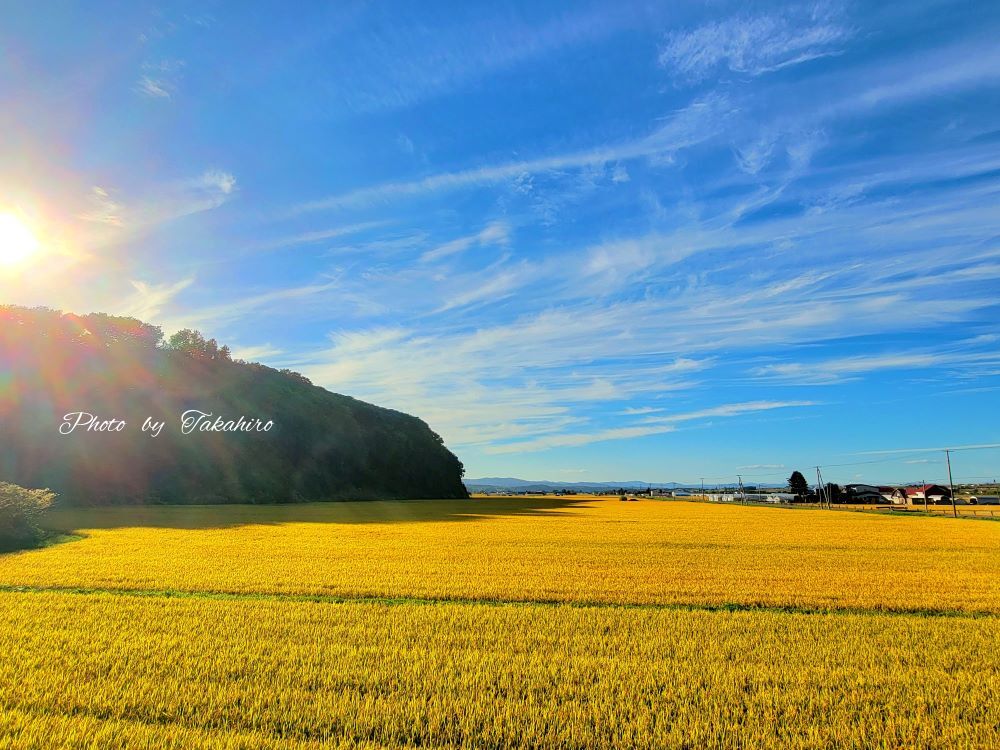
(319, 235)
(104, 209)
(494, 233)
(148, 300)
(753, 44)
(699, 121)
(837, 370)
(974, 446)
(160, 80)
(157, 203)
(651, 426)
(258, 353)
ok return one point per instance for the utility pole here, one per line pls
(743, 494)
(951, 484)
(819, 487)
(703, 488)
(923, 483)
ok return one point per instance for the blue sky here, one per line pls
(584, 241)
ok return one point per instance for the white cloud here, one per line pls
(576, 439)
(555, 321)
(159, 80)
(500, 284)
(650, 426)
(727, 410)
(319, 235)
(148, 300)
(156, 88)
(754, 156)
(940, 449)
(830, 371)
(104, 210)
(752, 45)
(495, 233)
(157, 203)
(255, 353)
(694, 124)
(215, 180)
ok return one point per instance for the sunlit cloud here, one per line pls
(148, 300)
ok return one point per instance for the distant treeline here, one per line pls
(322, 445)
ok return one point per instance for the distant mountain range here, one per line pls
(493, 484)
(501, 484)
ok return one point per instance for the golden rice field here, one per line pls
(545, 549)
(502, 624)
(287, 674)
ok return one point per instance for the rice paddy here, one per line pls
(550, 622)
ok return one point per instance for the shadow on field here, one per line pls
(345, 512)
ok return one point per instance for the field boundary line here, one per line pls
(332, 599)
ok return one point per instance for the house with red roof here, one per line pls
(931, 493)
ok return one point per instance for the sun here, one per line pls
(17, 241)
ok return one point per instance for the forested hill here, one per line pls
(321, 445)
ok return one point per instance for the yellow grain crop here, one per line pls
(532, 550)
(199, 672)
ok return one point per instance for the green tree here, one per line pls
(797, 484)
(195, 344)
(20, 512)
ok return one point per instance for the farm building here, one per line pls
(932, 493)
(863, 493)
(780, 497)
(984, 500)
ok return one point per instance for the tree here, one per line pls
(196, 345)
(113, 330)
(20, 511)
(797, 484)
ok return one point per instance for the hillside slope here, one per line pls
(321, 445)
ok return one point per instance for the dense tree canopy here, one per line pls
(20, 511)
(322, 445)
(797, 484)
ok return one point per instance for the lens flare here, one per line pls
(17, 241)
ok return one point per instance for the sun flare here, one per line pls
(17, 241)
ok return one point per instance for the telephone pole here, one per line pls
(951, 484)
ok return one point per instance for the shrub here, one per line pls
(20, 512)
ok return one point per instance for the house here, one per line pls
(780, 497)
(887, 493)
(931, 493)
(863, 493)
